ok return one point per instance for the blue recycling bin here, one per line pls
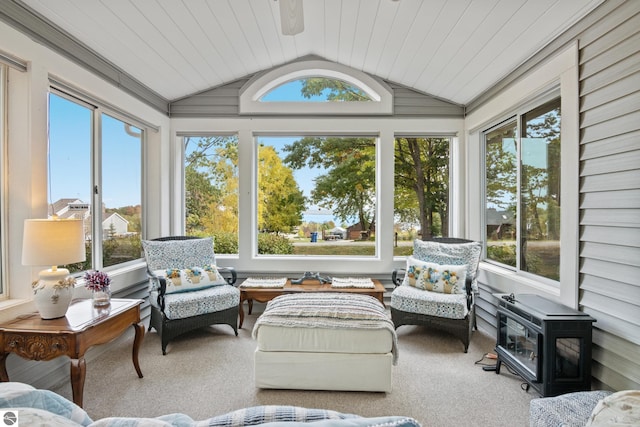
(314, 237)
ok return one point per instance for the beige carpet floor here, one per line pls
(210, 371)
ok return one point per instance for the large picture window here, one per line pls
(96, 177)
(522, 189)
(316, 195)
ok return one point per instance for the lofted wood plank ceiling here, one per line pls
(452, 49)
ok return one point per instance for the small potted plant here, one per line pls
(98, 283)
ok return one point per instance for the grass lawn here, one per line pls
(347, 250)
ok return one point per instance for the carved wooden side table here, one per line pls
(84, 326)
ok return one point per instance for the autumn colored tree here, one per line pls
(280, 200)
(211, 182)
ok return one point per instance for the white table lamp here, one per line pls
(53, 242)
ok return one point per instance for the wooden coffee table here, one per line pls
(267, 294)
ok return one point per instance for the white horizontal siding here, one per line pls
(610, 193)
(224, 101)
(609, 219)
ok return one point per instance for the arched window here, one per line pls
(284, 90)
(316, 89)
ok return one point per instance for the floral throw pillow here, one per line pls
(190, 279)
(447, 279)
(451, 253)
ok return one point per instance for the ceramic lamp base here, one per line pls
(52, 294)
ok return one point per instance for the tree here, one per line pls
(422, 183)
(348, 185)
(333, 89)
(280, 200)
(211, 182)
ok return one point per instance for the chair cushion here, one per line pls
(448, 279)
(178, 253)
(186, 304)
(451, 253)
(569, 409)
(190, 279)
(413, 300)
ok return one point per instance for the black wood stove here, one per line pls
(546, 343)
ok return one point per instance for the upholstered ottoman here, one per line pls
(325, 341)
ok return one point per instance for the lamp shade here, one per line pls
(53, 242)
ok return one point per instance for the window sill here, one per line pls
(11, 308)
(504, 280)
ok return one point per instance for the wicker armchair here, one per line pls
(197, 302)
(452, 313)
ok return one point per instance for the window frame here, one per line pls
(558, 73)
(250, 94)
(516, 117)
(255, 196)
(386, 128)
(4, 294)
(97, 111)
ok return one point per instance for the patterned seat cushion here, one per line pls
(186, 304)
(566, 410)
(412, 300)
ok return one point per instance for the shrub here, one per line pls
(274, 244)
(225, 242)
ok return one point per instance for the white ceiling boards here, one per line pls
(453, 50)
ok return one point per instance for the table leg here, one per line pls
(250, 304)
(241, 312)
(136, 346)
(78, 372)
(4, 376)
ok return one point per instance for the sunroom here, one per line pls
(136, 107)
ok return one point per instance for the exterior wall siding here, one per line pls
(223, 102)
(610, 169)
(609, 79)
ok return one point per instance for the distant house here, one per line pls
(114, 225)
(355, 232)
(500, 224)
(335, 233)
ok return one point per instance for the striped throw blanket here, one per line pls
(329, 311)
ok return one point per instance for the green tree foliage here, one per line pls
(541, 185)
(280, 200)
(211, 181)
(348, 185)
(333, 89)
(422, 183)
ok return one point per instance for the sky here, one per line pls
(70, 156)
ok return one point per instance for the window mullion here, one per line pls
(518, 192)
(96, 194)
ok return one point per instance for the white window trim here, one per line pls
(4, 291)
(381, 95)
(561, 69)
(384, 262)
